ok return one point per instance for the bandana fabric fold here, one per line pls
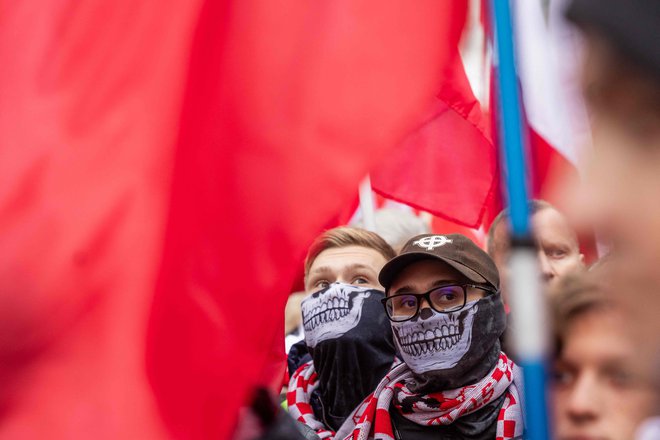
(350, 342)
(372, 419)
(301, 386)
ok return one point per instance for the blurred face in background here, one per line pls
(558, 248)
(599, 391)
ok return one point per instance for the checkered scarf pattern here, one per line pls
(372, 420)
(302, 384)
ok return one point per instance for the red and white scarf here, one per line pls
(371, 420)
(302, 384)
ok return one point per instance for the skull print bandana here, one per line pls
(350, 340)
(450, 350)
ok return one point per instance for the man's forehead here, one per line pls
(501, 233)
(546, 220)
(347, 266)
(552, 224)
(549, 215)
(598, 334)
(348, 257)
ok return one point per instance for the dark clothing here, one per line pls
(351, 367)
(480, 425)
(630, 25)
(297, 357)
(350, 342)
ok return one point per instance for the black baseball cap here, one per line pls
(456, 250)
(632, 25)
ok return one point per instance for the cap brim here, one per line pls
(393, 267)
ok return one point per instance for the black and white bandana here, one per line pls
(350, 340)
(451, 350)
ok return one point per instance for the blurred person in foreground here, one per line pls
(346, 332)
(621, 197)
(557, 243)
(601, 391)
(621, 85)
(447, 316)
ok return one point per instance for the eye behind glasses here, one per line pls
(443, 299)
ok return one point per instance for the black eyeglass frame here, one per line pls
(427, 296)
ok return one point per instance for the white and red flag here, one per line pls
(547, 58)
(449, 165)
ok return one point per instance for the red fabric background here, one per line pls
(447, 166)
(164, 165)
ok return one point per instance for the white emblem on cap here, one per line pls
(432, 242)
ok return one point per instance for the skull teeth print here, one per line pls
(436, 343)
(422, 342)
(324, 316)
(330, 313)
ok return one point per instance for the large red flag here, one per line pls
(303, 97)
(90, 97)
(191, 149)
(448, 165)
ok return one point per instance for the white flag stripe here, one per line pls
(544, 93)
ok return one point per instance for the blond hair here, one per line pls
(347, 236)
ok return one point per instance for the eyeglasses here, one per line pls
(444, 299)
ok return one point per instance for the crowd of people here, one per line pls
(412, 344)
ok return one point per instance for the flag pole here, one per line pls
(367, 204)
(529, 321)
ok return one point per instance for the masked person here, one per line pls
(347, 334)
(447, 316)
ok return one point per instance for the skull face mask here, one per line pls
(436, 343)
(350, 340)
(331, 312)
(448, 350)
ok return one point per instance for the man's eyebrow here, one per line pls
(558, 243)
(404, 289)
(326, 269)
(409, 288)
(322, 269)
(445, 282)
(360, 266)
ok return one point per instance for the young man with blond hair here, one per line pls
(346, 332)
